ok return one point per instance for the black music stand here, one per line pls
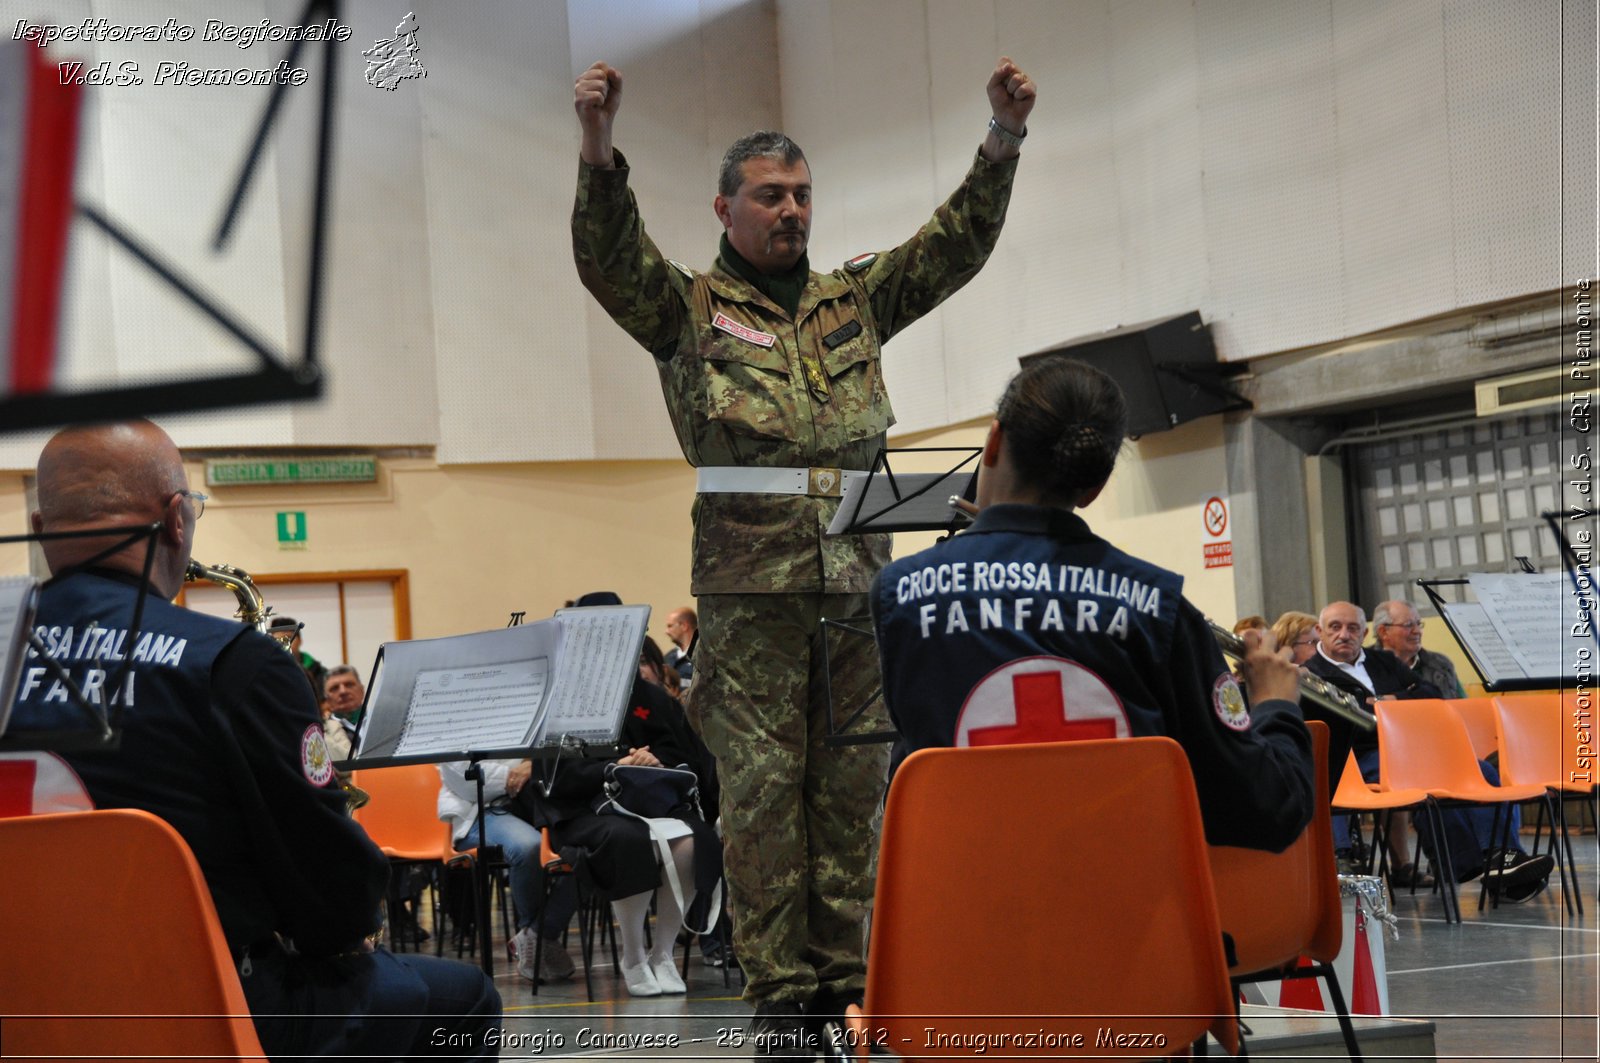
(886, 501)
(276, 379)
(106, 734)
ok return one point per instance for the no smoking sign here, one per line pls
(1216, 539)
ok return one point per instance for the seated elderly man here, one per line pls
(1398, 629)
(221, 738)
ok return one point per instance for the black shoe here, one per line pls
(1512, 872)
(1410, 876)
(827, 1015)
(830, 1003)
(779, 1030)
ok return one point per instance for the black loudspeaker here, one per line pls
(1167, 370)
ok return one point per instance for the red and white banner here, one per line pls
(38, 150)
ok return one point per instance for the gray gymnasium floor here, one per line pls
(1520, 983)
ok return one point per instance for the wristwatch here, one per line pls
(1007, 136)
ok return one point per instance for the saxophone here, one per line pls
(254, 610)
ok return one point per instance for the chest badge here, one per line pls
(744, 332)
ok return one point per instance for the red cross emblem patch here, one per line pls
(1040, 699)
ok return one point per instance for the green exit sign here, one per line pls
(341, 469)
(292, 531)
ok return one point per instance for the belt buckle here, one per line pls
(827, 483)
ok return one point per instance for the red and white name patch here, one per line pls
(744, 332)
(314, 759)
(1228, 702)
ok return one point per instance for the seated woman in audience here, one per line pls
(1028, 627)
(1297, 633)
(617, 853)
(653, 669)
(519, 842)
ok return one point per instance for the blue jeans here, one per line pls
(369, 1004)
(519, 841)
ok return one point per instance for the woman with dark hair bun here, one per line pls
(1027, 627)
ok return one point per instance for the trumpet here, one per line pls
(1314, 689)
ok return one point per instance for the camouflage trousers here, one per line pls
(797, 816)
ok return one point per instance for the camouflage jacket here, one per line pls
(747, 385)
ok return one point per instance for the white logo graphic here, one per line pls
(392, 61)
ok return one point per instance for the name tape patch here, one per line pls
(842, 334)
(744, 332)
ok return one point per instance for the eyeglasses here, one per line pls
(1310, 640)
(199, 501)
(1409, 625)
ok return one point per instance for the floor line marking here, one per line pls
(1507, 926)
(1496, 963)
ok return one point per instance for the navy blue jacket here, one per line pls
(220, 738)
(1028, 627)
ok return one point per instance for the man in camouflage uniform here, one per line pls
(772, 378)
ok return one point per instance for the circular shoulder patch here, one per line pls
(314, 759)
(1227, 700)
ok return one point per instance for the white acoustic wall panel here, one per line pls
(1580, 183)
(379, 320)
(1504, 76)
(1393, 139)
(1270, 160)
(512, 375)
(1160, 188)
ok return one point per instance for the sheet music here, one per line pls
(1528, 612)
(599, 662)
(461, 694)
(474, 708)
(1482, 641)
(18, 597)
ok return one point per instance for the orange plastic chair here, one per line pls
(402, 820)
(1537, 747)
(1355, 796)
(1280, 907)
(112, 947)
(1424, 745)
(1479, 717)
(1122, 934)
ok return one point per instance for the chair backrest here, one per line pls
(402, 816)
(1280, 906)
(111, 945)
(1424, 745)
(1533, 741)
(1479, 717)
(1079, 870)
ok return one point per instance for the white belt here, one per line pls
(753, 480)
